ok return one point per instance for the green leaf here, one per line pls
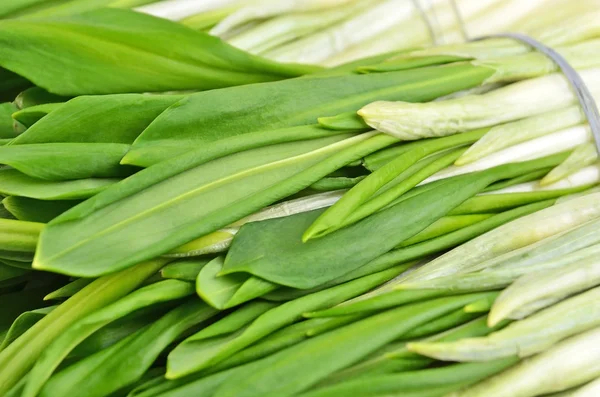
(214, 290)
(452, 377)
(223, 292)
(87, 45)
(295, 369)
(22, 323)
(197, 200)
(261, 250)
(53, 355)
(34, 96)
(65, 161)
(235, 320)
(191, 355)
(31, 115)
(126, 361)
(418, 161)
(259, 114)
(33, 210)
(14, 183)
(447, 241)
(18, 358)
(98, 119)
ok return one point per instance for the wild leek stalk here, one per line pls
(574, 29)
(416, 121)
(516, 234)
(538, 290)
(524, 338)
(577, 360)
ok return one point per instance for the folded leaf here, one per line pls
(14, 183)
(64, 161)
(98, 119)
(33, 210)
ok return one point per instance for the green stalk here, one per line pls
(538, 290)
(386, 358)
(514, 235)
(19, 236)
(523, 338)
(457, 375)
(576, 360)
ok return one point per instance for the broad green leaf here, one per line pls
(33, 210)
(443, 226)
(116, 118)
(226, 143)
(258, 248)
(252, 288)
(14, 183)
(65, 161)
(117, 330)
(197, 200)
(87, 45)
(197, 386)
(18, 358)
(14, 8)
(443, 323)
(379, 301)
(53, 355)
(113, 368)
(266, 110)
(285, 337)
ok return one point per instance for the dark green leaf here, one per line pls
(87, 45)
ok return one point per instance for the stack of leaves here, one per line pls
(277, 239)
